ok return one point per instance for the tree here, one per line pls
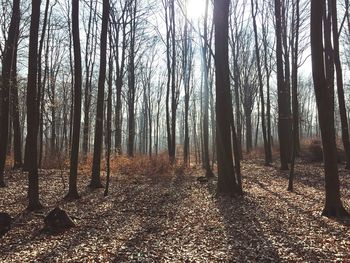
(120, 26)
(41, 84)
(268, 159)
(340, 85)
(325, 105)
(187, 61)
(132, 8)
(109, 116)
(206, 65)
(73, 191)
(295, 104)
(95, 176)
(227, 183)
(8, 66)
(283, 94)
(33, 109)
(90, 54)
(17, 136)
(169, 6)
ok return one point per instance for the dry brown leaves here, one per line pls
(173, 218)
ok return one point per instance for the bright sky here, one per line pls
(196, 9)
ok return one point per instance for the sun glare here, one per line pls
(195, 9)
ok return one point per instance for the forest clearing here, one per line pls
(172, 217)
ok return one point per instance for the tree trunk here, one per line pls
(17, 137)
(295, 103)
(131, 81)
(340, 85)
(261, 86)
(226, 173)
(325, 104)
(109, 118)
(283, 112)
(33, 109)
(95, 176)
(206, 66)
(73, 190)
(8, 65)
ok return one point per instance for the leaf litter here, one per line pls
(172, 217)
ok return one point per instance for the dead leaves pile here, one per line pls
(174, 218)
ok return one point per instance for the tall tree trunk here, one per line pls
(283, 112)
(206, 66)
(226, 173)
(73, 190)
(131, 81)
(173, 84)
(109, 118)
(90, 52)
(325, 105)
(95, 176)
(340, 85)
(295, 103)
(169, 69)
(41, 85)
(17, 137)
(261, 85)
(268, 103)
(33, 109)
(7, 68)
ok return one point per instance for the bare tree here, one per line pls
(33, 109)
(73, 191)
(283, 94)
(227, 181)
(325, 104)
(254, 8)
(8, 65)
(95, 175)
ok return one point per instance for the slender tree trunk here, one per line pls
(7, 69)
(173, 84)
(109, 121)
(261, 86)
(295, 103)
(206, 66)
(340, 85)
(33, 109)
(73, 190)
(283, 112)
(131, 81)
(169, 69)
(17, 138)
(95, 176)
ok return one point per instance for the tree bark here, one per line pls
(261, 86)
(95, 176)
(73, 190)
(226, 173)
(7, 69)
(206, 66)
(283, 112)
(340, 85)
(33, 109)
(325, 104)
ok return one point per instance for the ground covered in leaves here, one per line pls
(175, 218)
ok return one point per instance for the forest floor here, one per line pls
(175, 218)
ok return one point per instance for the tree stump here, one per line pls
(57, 221)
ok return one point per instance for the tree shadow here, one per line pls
(159, 212)
(247, 239)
